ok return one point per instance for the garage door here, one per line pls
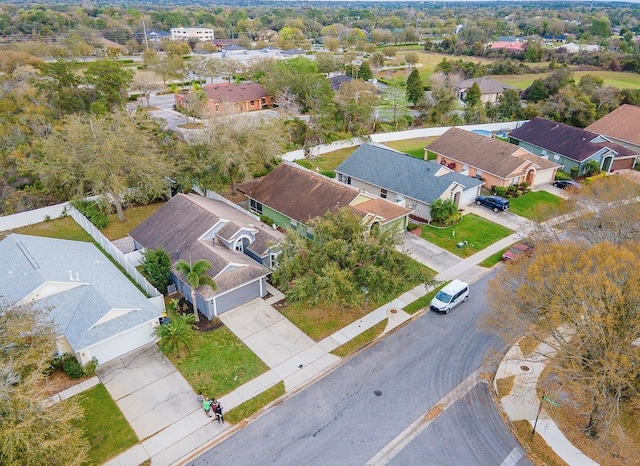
(239, 296)
(123, 343)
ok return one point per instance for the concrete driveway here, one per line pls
(290, 354)
(428, 253)
(149, 390)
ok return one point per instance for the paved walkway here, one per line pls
(169, 438)
(522, 402)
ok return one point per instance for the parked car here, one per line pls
(450, 296)
(564, 184)
(518, 250)
(496, 203)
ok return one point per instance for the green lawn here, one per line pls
(252, 406)
(536, 205)
(320, 322)
(478, 232)
(61, 228)
(361, 340)
(104, 425)
(423, 302)
(618, 79)
(217, 363)
(330, 160)
(413, 147)
(134, 216)
(493, 259)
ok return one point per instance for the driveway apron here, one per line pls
(148, 389)
(289, 353)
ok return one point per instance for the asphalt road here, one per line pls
(369, 403)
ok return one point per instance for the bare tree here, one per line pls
(287, 103)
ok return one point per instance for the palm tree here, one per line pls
(176, 334)
(195, 275)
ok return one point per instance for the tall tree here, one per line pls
(343, 264)
(586, 305)
(196, 275)
(33, 432)
(115, 154)
(415, 88)
(355, 102)
(110, 81)
(240, 148)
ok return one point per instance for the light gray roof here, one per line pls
(179, 226)
(79, 285)
(401, 173)
(486, 85)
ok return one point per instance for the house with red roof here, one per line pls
(231, 97)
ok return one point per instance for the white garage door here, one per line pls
(123, 343)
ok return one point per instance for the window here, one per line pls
(412, 204)
(556, 157)
(383, 193)
(294, 224)
(344, 178)
(479, 174)
(256, 206)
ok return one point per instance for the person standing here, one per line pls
(206, 405)
(218, 411)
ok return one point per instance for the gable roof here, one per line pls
(487, 85)
(302, 195)
(89, 299)
(184, 227)
(574, 143)
(623, 124)
(512, 46)
(418, 179)
(293, 52)
(336, 82)
(230, 92)
(487, 154)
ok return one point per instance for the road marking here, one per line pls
(416, 427)
(513, 457)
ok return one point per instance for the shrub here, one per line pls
(499, 190)
(72, 368)
(90, 367)
(574, 172)
(562, 176)
(96, 212)
(266, 219)
(328, 173)
(412, 226)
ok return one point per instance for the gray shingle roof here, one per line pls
(486, 85)
(179, 224)
(573, 143)
(401, 173)
(76, 282)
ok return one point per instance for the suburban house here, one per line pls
(336, 81)
(291, 196)
(200, 34)
(243, 97)
(495, 162)
(97, 311)
(572, 147)
(239, 247)
(233, 49)
(512, 47)
(404, 180)
(490, 89)
(621, 126)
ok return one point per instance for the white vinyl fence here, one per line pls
(398, 136)
(113, 251)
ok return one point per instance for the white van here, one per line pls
(450, 296)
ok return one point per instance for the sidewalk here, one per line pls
(186, 437)
(522, 403)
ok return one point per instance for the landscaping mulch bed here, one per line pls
(204, 324)
(59, 381)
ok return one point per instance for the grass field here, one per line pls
(217, 363)
(536, 205)
(413, 147)
(476, 231)
(620, 80)
(104, 426)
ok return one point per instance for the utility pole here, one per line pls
(144, 29)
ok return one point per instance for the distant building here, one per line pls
(514, 47)
(201, 34)
(230, 97)
(490, 89)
